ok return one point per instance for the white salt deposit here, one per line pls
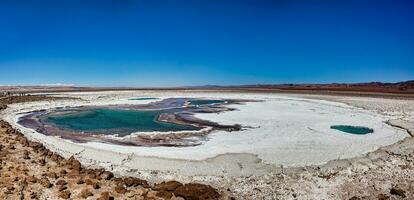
(281, 130)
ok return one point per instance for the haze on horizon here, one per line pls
(183, 43)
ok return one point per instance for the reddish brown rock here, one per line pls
(118, 181)
(61, 182)
(89, 182)
(64, 194)
(34, 195)
(168, 186)
(55, 157)
(91, 173)
(32, 179)
(120, 189)
(52, 175)
(26, 155)
(96, 185)
(36, 146)
(99, 171)
(398, 192)
(10, 188)
(42, 161)
(63, 172)
(61, 187)
(74, 164)
(85, 193)
(105, 196)
(132, 182)
(164, 194)
(80, 181)
(3, 107)
(196, 191)
(45, 182)
(23, 141)
(107, 175)
(383, 197)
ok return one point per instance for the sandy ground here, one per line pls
(266, 160)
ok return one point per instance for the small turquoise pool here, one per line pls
(357, 130)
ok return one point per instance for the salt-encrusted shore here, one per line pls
(226, 159)
(171, 110)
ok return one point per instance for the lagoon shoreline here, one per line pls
(174, 112)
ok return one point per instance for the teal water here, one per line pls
(203, 102)
(143, 98)
(358, 130)
(115, 121)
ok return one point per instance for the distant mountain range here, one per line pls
(404, 87)
(399, 87)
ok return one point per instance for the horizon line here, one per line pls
(57, 85)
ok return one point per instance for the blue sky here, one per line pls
(181, 43)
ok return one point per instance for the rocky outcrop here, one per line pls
(168, 186)
(193, 191)
(187, 191)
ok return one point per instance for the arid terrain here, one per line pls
(30, 170)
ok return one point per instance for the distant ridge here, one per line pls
(398, 87)
(403, 87)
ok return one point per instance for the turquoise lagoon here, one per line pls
(115, 121)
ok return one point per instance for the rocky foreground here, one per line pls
(30, 171)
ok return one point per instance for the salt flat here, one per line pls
(281, 129)
(284, 131)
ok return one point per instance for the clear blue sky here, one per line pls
(179, 43)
